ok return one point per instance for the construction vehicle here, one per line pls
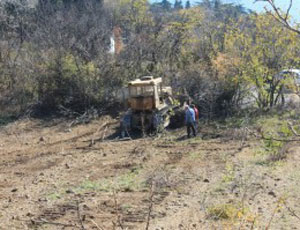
(150, 105)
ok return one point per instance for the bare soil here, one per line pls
(56, 177)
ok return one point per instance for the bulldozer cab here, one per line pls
(146, 94)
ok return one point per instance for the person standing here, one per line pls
(196, 115)
(190, 121)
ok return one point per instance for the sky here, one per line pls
(259, 6)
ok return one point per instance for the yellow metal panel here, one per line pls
(142, 103)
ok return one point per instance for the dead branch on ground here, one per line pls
(253, 223)
(273, 213)
(293, 130)
(80, 219)
(98, 130)
(119, 219)
(42, 221)
(104, 132)
(97, 226)
(150, 208)
(262, 137)
(291, 211)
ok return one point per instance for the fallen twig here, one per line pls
(253, 223)
(273, 214)
(103, 136)
(271, 139)
(291, 211)
(293, 130)
(119, 220)
(42, 221)
(101, 127)
(79, 216)
(97, 226)
(150, 206)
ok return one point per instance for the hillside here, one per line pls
(54, 176)
(64, 69)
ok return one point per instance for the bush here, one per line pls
(225, 211)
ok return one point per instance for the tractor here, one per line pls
(150, 106)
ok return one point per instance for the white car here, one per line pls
(291, 94)
(293, 73)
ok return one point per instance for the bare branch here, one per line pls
(42, 221)
(262, 137)
(288, 10)
(293, 130)
(282, 18)
(97, 226)
(79, 216)
(150, 208)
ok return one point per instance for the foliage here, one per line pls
(187, 4)
(178, 5)
(73, 87)
(56, 54)
(262, 55)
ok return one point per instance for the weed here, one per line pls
(127, 182)
(126, 207)
(195, 155)
(226, 211)
(274, 133)
(54, 196)
(220, 188)
(229, 173)
(92, 186)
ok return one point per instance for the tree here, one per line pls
(205, 3)
(280, 16)
(187, 4)
(166, 5)
(178, 5)
(217, 4)
(68, 47)
(263, 49)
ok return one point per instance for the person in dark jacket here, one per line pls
(190, 121)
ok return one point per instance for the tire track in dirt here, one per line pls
(22, 158)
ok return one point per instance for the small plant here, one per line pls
(225, 211)
(126, 182)
(275, 135)
(54, 196)
(195, 155)
(126, 207)
(229, 174)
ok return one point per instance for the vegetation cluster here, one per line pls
(55, 54)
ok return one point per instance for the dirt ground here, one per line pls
(53, 176)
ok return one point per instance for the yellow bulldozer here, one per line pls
(150, 106)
